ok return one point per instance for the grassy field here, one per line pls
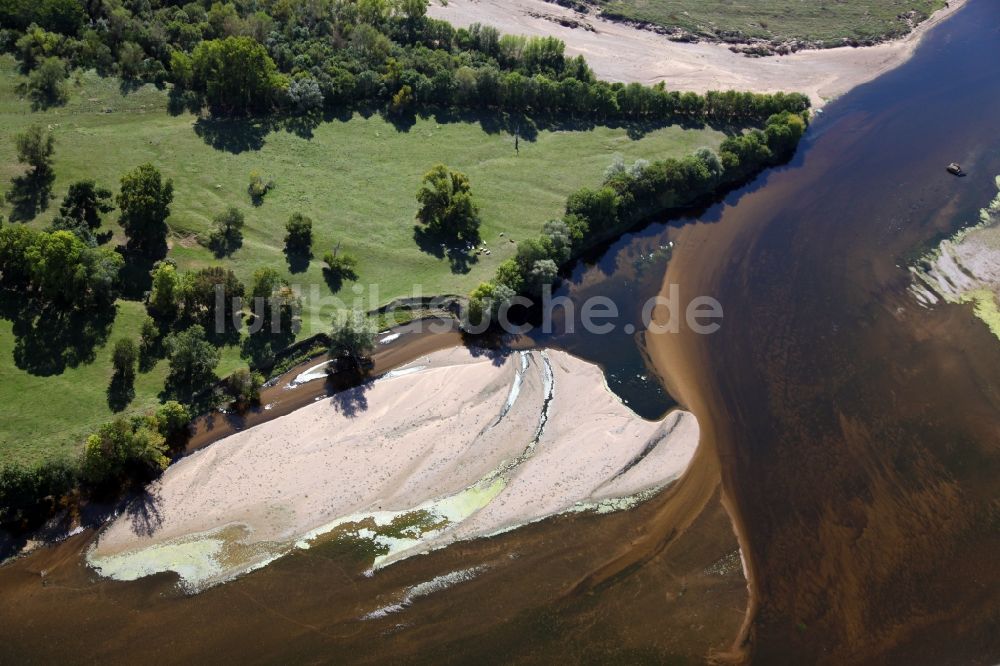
(357, 178)
(827, 21)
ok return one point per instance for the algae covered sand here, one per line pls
(966, 268)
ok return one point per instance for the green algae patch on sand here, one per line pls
(965, 268)
(200, 560)
(985, 306)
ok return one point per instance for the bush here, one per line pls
(244, 387)
(341, 265)
(227, 235)
(125, 450)
(29, 495)
(46, 85)
(259, 187)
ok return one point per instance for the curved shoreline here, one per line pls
(619, 52)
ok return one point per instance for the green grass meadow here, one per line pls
(356, 178)
(827, 21)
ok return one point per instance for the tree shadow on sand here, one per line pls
(143, 512)
(349, 388)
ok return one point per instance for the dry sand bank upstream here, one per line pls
(453, 446)
(618, 52)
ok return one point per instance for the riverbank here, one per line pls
(620, 52)
(457, 445)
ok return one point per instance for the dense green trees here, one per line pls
(276, 307)
(121, 391)
(236, 75)
(125, 449)
(212, 297)
(124, 357)
(144, 201)
(446, 205)
(58, 268)
(250, 58)
(35, 147)
(244, 386)
(81, 210)
(86, 202)
(193, 360)
(30, 495)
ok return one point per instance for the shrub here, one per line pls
(259, 187)
(244, 387)
(227, 234)
(47, 84)
(125, 450)
(28, 495)
(341, 265)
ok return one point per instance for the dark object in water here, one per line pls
(955, 169)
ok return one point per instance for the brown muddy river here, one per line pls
(853, 435)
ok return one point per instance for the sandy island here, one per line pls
(457, 445)
(619, 52)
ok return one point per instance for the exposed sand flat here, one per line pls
(453, 446)
(618, 52)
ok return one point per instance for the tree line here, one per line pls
(628, 195)
(301, 58)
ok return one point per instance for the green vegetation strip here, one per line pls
(822, 23)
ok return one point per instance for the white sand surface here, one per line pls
(457, 445)
(619, 52)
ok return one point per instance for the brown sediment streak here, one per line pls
(681, 360)
(682, 504)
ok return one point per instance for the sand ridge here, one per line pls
(457, 445)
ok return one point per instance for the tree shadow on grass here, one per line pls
(261, 348)
(121, 392)
(49, 339)
(234, 135)
(298, 262)
(224, 245)
(460, 253)
(335, 278)
(29, 195)
(135, 277)
(303, 126)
